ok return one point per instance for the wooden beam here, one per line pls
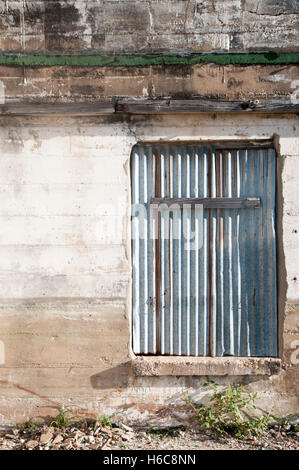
(219, 145)
(203, 106)
(73, 109)
(211, 202)
(148, 107)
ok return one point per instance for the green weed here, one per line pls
(225, 413)
(61, 421)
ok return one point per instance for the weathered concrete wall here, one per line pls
(65, 271)
(147, 26)
(74, 84)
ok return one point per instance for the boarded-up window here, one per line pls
(204, 281)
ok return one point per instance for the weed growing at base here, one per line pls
(225, 413)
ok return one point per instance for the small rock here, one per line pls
(128, 437)
(294, 419)
(46, 437)
(68, 443)
(31, 444)
(58, 439)
(125, 427)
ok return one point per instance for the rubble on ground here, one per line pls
(92, 435)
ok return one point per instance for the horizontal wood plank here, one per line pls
(219, 145)
(203, 105)
(149, 107)
(87, 109)
(212, 202)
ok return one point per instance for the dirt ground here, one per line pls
(88, 435)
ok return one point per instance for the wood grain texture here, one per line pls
(150, 107)
(204, 105)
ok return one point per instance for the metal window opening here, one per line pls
(218, 299)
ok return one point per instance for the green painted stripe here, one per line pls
(146, 60)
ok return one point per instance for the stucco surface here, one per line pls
(67, 84)
(147, 26)
(65, 271)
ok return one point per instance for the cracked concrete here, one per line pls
(85, 27)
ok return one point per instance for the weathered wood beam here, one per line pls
(221, 145)
(149, 107)
(73, 109)
(203, 105)
(211, 202)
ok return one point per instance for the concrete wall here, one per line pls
(147, 26)
(61, 84)
(65, 271)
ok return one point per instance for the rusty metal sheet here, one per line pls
(218, 298)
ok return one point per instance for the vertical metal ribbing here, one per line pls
(170, 348)
(135, 249)
(175, 252)
(237, 310)
(164, 260)
(227, 276)
(260, 217)
(184, 292)
(142, 251)
(273, 322)
(157, 243)
(265, 252)
(256, 328)
(220, 239)
(187, 255)
(243, 160)
(250, 253)
(180, 251)
(270, 281)
(171, 300)
(204, 299)
(214, 271)
(230, 348)
(145, 221)
(151, 255)
(194, 269)
(177, 298)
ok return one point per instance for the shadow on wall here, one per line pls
(113, 378)
(117, 379)
(121, 376)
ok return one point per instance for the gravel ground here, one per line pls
(93, 435)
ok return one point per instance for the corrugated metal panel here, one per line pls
(220, 298)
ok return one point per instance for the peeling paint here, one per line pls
(146, 60)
